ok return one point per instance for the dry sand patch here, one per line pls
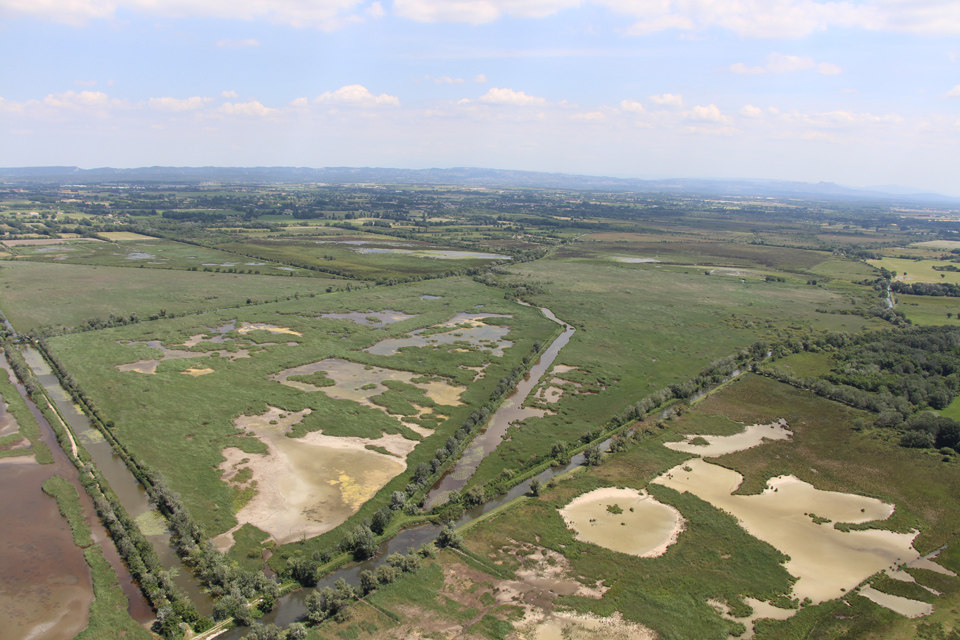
(571, 626)
(624, 520)
(193, 371)
(306, 486)
(247, 327)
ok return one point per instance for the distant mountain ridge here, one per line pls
(464, 176)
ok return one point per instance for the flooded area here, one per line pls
(45, 587)
(508, 413)
(713, 446)
(636, 260)
(624, 520)
(307, 486)
(761, 610)
(370, 318)
(465, 328)
(826, 561)
(359, 383)
(150, 366)
(903, 606)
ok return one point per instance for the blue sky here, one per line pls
(860, 92)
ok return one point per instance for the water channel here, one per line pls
(131, 493)
(40, 556)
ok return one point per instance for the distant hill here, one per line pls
(464, 176)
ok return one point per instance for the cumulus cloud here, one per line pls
(781, 63)
(591, 116)
(709, 113)
(955, 92)
(375, 11)
(668, 100)
(444, 80)
(511, 98)
(322, 14)
(357, 95)
(477, 11)
(233, 95)
(238, 44)
(751, 111)
(480, 78)
(632, 106)
(251, 108)
(177, 104)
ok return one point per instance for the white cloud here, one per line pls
(668, 100)
(709, 113)
(444, 80)
(632, 106)
(177, 104)
(511, 98)
(357, 95)
(955, 92)
(781, 63)
(375, 11)
(751, 111)
(480, 78)
(251, 108)
(300, 103)
(591, 116)
(238, 44)
(233, 95)
(477, 11)
(82, 99)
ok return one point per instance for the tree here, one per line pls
(449, 537)
(296, 631)
(304, 571)
(381, 520)
(535, 486)
(592, 455)
(368, 582)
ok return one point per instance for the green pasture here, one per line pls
(929, 310)
(36, 294)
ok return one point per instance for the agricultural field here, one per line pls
(496, 413)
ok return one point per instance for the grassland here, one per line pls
(929, 310)
(644, 326)
(179, 424)
(83, 292)
(918, 270)
(27, 423)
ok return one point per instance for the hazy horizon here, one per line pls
(856, 94)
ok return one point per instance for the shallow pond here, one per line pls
(827, 562)
(307, 486)
(624, 520)
(752, 436)
(464, 328)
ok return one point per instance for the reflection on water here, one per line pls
(370, 318)
(466, 328)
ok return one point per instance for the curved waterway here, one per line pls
(131, 493)
(510, 411)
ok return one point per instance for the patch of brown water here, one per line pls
(761, 610)
(8, 424)
(826, 561)
(903, 606)
(45, 588)
(752, 436)
(307, 486)
(624, 520)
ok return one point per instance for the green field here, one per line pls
(929, 310)
(918, 270)
(84, 292)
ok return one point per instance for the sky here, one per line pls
(862, 92)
